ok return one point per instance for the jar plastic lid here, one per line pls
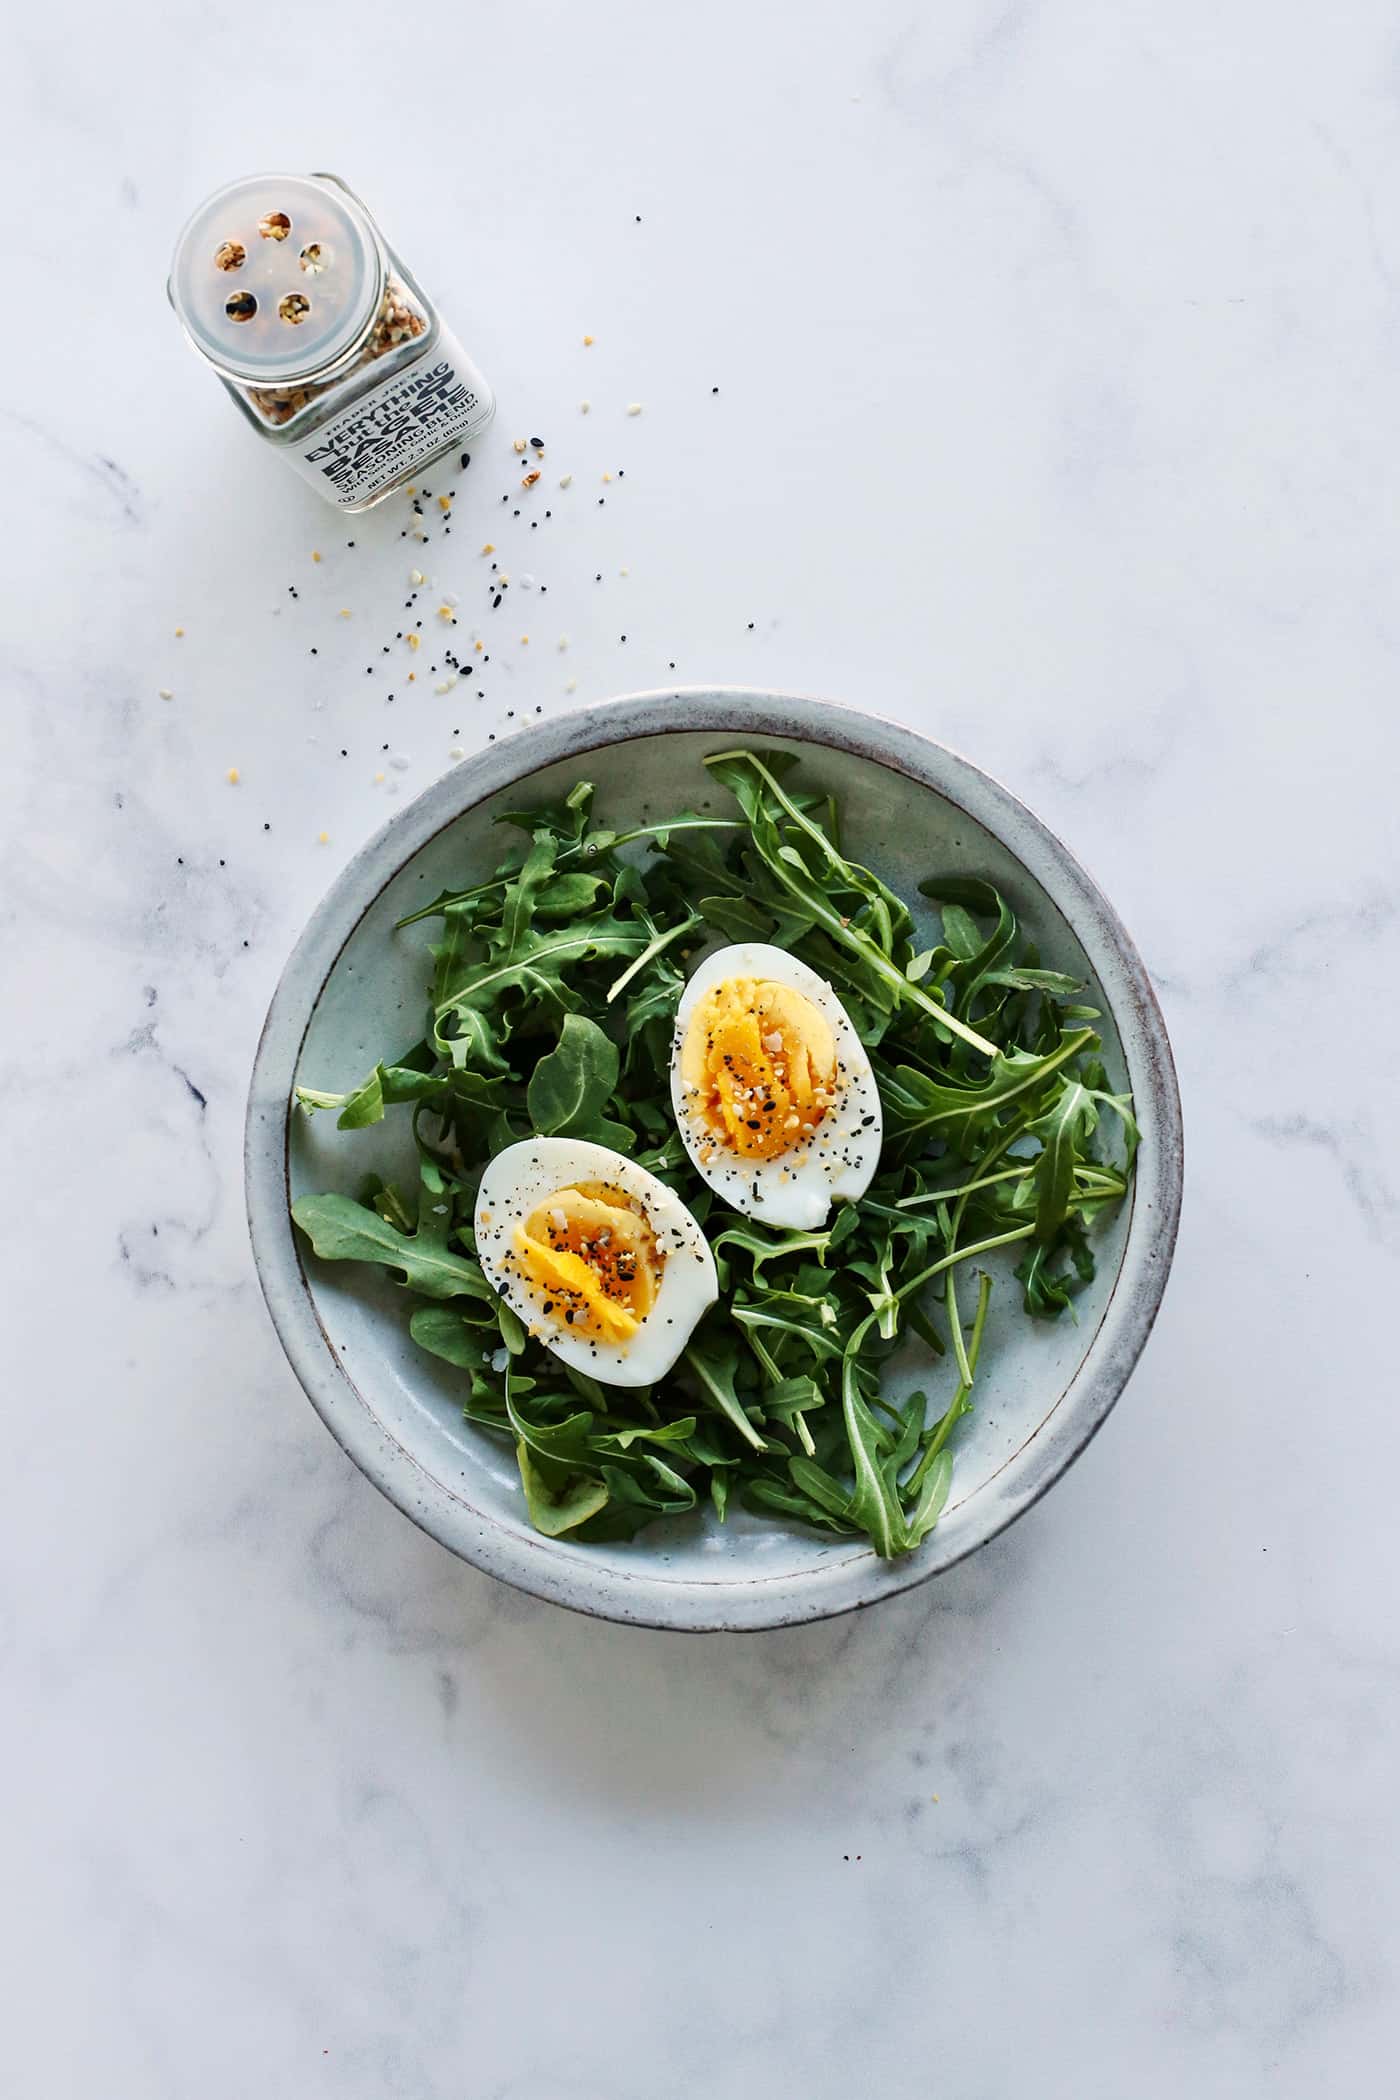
(276, 277)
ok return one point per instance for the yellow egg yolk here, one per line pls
(590, 1252)
(759, 1060)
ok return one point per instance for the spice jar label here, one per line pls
(388, 432)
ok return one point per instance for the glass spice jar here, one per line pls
(285, 285)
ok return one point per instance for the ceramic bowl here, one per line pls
(353, 991)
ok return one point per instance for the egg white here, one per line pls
(839, 1159)
(519, 1179)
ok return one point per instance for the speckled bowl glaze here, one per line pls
(353, 988)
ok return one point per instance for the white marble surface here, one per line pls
(1057, 350)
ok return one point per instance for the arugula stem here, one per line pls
(955, 1323)
(651, 831)
(985, 1181)
(662, 940)
(1002, 1239)
(958, 1404)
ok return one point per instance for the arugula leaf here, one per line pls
(342, 1230)
(570, 1087)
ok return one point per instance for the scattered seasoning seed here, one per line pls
(444, 612)
(490, 546)
(456, 751)
(563, 641)
(413, 641)
(624, 571)
(525, 639)
(233, 776)
(634, 408)
(344, 612)
(518, 445)
(607, 477)
(416, 576)
(444, 503)
(179, 634)
(530, 479)
(588, 342)
(584, 407)
(570, 685)
(323, 838)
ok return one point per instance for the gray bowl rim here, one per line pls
(533, 1564)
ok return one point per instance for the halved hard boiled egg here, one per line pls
(772, 1088)
(599, 1259)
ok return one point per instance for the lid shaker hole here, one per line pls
(294, 307)
(274, 226)
(315, 258)
(241, 306)
(230, 255)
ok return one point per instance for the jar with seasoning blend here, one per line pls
(285, 285)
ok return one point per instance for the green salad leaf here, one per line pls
(550, 998)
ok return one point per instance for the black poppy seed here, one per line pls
(750, 626)
(538, 444)
(349, 543)
(466, 461)
(315, 652)
(714, 389)
(267, 827)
